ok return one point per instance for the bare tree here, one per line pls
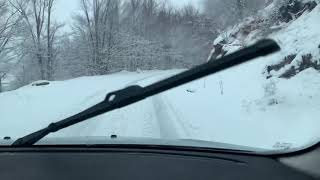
(131, 16)
(139, 34)
(229, 12)
(37, 18)
(52, 30)
(99, 23)
(50, 38)
(8, 21)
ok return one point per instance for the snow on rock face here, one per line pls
(300, 37)
(288, 81)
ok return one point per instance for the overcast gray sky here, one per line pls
(66, 8)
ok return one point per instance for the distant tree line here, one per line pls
(114, 35)
(108, 36)
(230, 12)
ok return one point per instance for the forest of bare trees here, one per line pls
(109, 36)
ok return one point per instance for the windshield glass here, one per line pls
(58, 58)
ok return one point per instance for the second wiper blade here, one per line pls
(133, 94)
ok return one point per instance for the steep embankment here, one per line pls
(279, 94)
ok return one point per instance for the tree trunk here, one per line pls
(240, 8)
(42, 67)
(0, 84)
(49, 67)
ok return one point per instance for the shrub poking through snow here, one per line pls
(306, 62)
(270, 91)
(276, 67)
(289, 73)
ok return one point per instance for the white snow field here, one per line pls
(238, 106)
(240, 115)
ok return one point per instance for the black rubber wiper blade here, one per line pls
(133, 94)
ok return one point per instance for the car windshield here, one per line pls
(58, 58)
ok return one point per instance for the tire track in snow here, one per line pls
(164, 121)
(85, 127)
(89, 127)
(150, 123)
(120, 118)
(170, 125)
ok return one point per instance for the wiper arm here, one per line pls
(133, 94)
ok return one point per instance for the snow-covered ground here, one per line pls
(238, 106)
(223, 108)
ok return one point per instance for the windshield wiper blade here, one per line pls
(133, 94)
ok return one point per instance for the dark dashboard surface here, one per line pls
(120, 164)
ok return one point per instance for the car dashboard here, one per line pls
(121, 163)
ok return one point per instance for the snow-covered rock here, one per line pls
(299, 38)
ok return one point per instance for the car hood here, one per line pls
(87, 141)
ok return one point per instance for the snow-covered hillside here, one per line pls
(271, 102)
(290, 78)
(299, 38)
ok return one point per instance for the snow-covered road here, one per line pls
(149, 118)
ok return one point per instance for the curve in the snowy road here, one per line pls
(168, 121)
(154, 117)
